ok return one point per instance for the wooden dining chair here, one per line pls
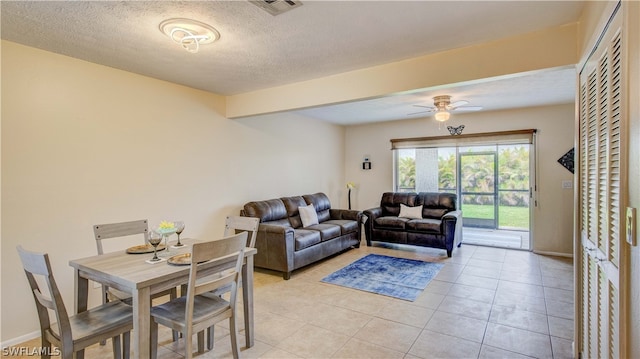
(121, 230)
(236, 224)
(199, 309)
(72, 334)
(233, 225)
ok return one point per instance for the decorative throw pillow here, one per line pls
(308, 215)
(410, 212)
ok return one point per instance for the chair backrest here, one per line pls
(121, 229)
(233, 247)
(37, 265)
(235, 224)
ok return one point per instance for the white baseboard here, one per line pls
(557, 254)
(20, 339)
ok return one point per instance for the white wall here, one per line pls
(553, 226)
(84, 144)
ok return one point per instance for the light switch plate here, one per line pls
(631, 226)
(567, 184)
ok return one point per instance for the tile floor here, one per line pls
(484, 303)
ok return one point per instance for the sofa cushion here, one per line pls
(436, 205)
(391, 222)
(267, 211)
(391, 201)
(305, 238)
(410, 212)
(322, 204)
(292, 204)
(424, 225)
(327, 231)
(346, 226)
(308, 215)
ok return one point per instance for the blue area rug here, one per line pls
(394, 277)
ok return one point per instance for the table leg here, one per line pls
(82, 292)
(247, 299)
(141, 323)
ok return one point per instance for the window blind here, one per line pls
(473, 139)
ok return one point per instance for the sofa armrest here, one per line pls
(371, 214)
(276, 246)
(452, 227)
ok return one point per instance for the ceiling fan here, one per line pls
(442, 107)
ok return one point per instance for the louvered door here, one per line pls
(602, 167)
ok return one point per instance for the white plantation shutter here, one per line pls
(601, 159)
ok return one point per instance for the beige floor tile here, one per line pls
(518, 340)
(360, 349)
(337, 319)
(474, 262)
(363, 302)
(517, 318)
(277, 353)
(488, 352)
(519, 301)
(528, 278)
(560, 327)
(558, 282)
(476, 281)
(560, 309)
(431, 344)
(313, 342)
(438, 287)
(457, 326)
(389, 334)
(222, 350)
(530, 290)
(560, 295)
(468, 307)
(272, 328)
(406, 313)
(482, 272)
(465, 291)
(562, 348)
(429, 300)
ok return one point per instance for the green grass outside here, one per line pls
(513, 217)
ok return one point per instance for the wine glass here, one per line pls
(179, 228)
(154, 239)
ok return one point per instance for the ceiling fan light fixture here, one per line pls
(189, 34)
(442, 116)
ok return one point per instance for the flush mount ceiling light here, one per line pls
(190, 34)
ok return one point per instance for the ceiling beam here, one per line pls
(549, 48)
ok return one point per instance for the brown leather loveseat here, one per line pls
(284, 244)
(430, 220)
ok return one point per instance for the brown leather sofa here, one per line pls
(440, 225)
(283, 243)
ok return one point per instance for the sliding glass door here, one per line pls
(492, 183)
(477, 187)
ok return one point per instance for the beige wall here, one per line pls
(84, 144)
(553, 226)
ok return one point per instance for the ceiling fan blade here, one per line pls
(467, 108)
(416, 113)
(452, 106)
(429, 108)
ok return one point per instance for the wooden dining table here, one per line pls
(130, 273)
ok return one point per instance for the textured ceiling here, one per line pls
(258, 50)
